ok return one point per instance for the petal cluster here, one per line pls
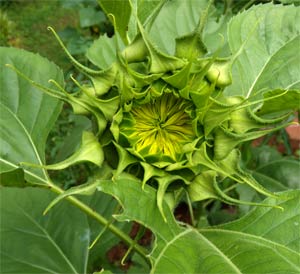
(160, 127)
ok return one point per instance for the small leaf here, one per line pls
(228, 167)
(159, 62)
(220, 72)
(179, 79)
(190, 46)
(73, 140)
(226, 141)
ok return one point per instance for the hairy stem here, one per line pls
(103, 221)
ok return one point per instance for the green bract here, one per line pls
(167, 118)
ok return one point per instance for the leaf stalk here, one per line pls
(103, 221)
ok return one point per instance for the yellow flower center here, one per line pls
(161, 127)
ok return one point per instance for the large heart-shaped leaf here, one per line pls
(57, 242)
(230, 249)
(33, 243)
(27, 114)
(268, 36)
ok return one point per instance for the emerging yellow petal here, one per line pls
(161, 127)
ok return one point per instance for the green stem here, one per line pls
(102, 220)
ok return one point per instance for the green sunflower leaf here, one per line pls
(269, 59)
(57, 242)
(27, 114)
(274, 225)
(178, 19)
(232, 248)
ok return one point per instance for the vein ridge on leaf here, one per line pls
(258, 238)
(221, 253)
(27, 263)
(49, 238)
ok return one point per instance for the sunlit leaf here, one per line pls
(54, 243)
(27, 114)
(231, 248)
(268, 60)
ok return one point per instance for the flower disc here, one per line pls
(159, 128)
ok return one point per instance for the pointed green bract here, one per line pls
(89, 151)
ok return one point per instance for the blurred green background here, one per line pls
(24, 23)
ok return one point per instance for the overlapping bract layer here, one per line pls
(167, 115)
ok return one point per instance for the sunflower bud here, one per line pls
(168, 121)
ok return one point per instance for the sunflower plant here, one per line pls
(172, 97)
